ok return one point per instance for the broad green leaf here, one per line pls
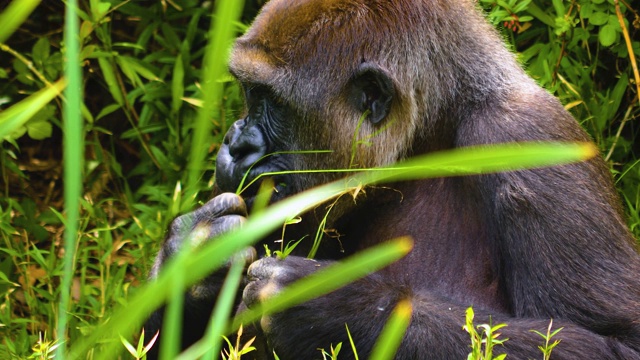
(39, 130)
(598, 18)
(171, 38)
(107, 110)
(86, 28)
(615, 97)
(607, 35)
(142, 68)
(41, 50)
(128, 70)
(586, 10)
(541, 15)
(99, 9)
(613, 21)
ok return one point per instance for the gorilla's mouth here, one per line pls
(264, 181)
(260, 178)
(242, 174)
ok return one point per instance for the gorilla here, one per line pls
(378, 81)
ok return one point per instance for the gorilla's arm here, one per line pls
(435, 331)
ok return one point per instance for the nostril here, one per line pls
(248, 146)
(234, 132)
(242, 148)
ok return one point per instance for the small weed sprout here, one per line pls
(235, 352)
(284, 252)
(139, 352)
(333, 354)
(547, 348)
(483, 342)
(44, 349)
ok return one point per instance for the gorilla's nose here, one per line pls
(245, 143)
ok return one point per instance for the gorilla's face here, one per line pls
(305, 106)
(257, 145)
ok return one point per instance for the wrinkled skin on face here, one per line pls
(370, 83)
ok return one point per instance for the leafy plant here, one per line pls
(44, 349)
(548, 347)
(333, 352)
(483, 341)
(235, 352)
(139, 352)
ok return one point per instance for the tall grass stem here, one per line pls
(72, 159)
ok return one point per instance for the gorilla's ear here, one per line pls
(372, 89)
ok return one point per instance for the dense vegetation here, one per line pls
(142, 69)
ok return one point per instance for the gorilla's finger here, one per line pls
(208, 229)
(222, 205)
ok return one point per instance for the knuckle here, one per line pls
(223, 204)
(181, 224)
(225, 224)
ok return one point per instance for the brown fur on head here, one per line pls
(308, 51)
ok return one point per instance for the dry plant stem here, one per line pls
(619, 132)
(6, 48)
(564, 44)
(627, 40)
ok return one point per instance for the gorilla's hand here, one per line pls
(269, 275)
(296, 333)
(219, 215)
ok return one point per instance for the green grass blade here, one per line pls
(14, 15)
(393, 332)
(177, 85)
(482, 160)
(473, 160)
(209, 346)
(170, 334)
(73, 162)
(18, 114)
(215, 65)
(223, 308)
